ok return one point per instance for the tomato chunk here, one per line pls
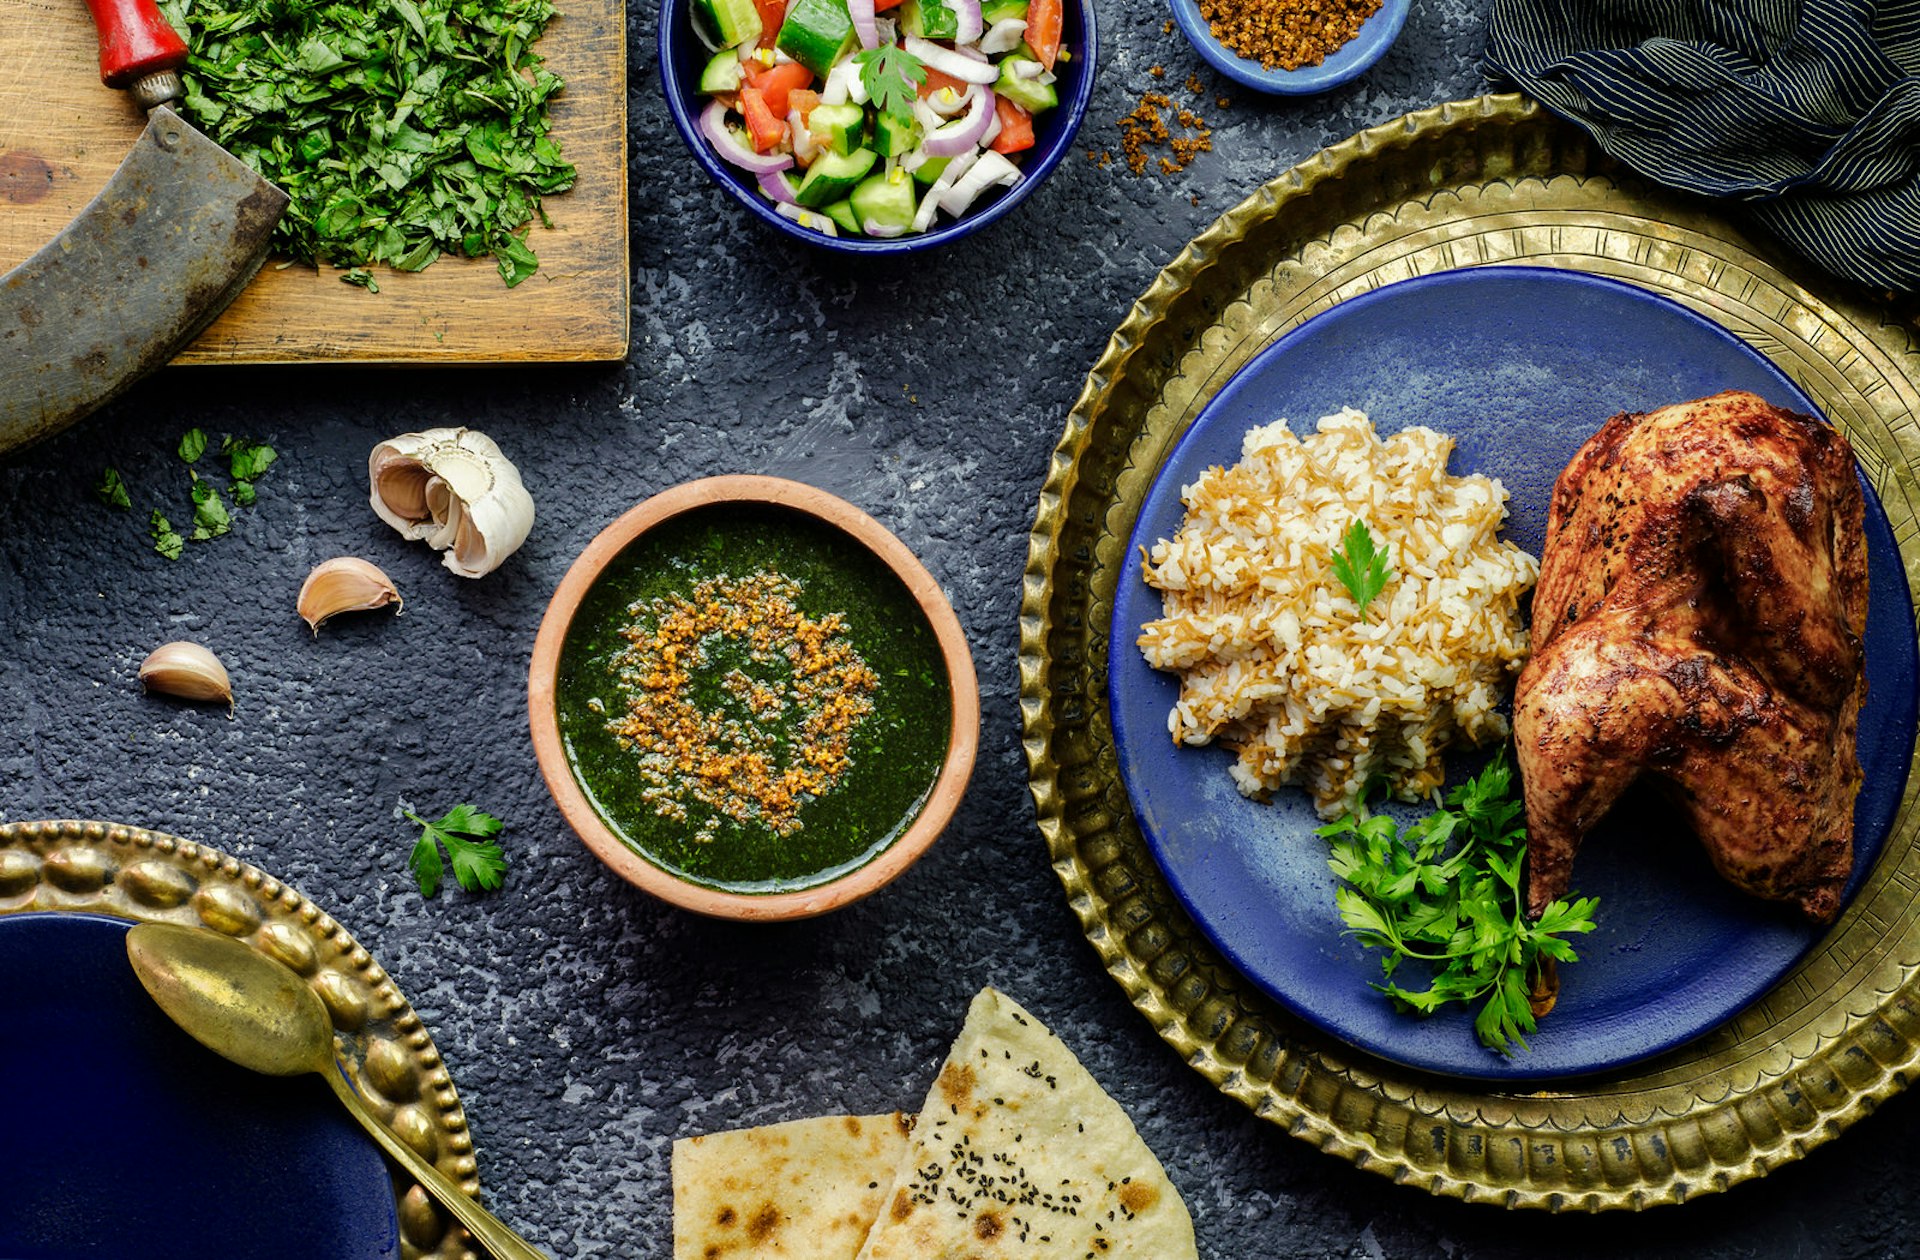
(764, 128)
(1016, 127)
(936, 81)
(777, 82)
(772, 14)
(1043, 30)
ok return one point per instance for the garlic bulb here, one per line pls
(454, 489)
(186, 670)
(345, 584)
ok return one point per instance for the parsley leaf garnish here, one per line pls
(193, 444)
(465, 833)
(113, 491)
(1447, 894)
(210, 516)
(1360, 567)
(246, 461)
(892, 77)
(166, 540)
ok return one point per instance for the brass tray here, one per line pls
(1483, 182)
(131, 873)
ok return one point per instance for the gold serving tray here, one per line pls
(131, 873)
(1483, 182)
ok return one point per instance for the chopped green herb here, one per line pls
(401, 130)
(466, 833)
(1457, 909)
(892, 77)
(246, 460)
(193, 444)
(362, 277)
(165, 540)
(210, 516)
(1360, 567)
(113, 491)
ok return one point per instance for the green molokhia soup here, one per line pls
(752, 700)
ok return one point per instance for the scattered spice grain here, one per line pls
(1286, 34)
(1147, 126)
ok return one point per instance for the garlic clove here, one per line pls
(345, 584)
(455, 490)
(188, 671)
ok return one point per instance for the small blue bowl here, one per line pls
(682, 57)
(1351, 59)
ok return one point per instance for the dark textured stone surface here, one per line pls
(585, 1025)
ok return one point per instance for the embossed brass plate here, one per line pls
(130, 873)
(1484, 182)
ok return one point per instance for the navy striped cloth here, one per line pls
(1807, 112)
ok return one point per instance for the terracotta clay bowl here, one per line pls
(752, 491)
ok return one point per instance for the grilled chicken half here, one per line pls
(1703, 591)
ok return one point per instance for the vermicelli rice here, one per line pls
(1275, 661)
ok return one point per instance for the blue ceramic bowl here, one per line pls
(1353, 58)
(682, 57)
(1520, 366)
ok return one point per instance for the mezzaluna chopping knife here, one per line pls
(173, 237)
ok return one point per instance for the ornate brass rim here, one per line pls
(132, 873)
(1483, 182)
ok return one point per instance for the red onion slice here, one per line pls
(1004, 36)
(881, 229)
(861, 11)
(808, 219)
(971, 25)
(991, 169)
(778, 187)
(713, 125)
(963, 134)
(945, 103)
(949, 62)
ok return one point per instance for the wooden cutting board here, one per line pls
(62, 134)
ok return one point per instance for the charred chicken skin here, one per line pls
(1703, 590)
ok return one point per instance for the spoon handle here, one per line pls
(487, 1229)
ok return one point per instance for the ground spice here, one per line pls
(805, 687)
(1148, 126)
(1286, 34)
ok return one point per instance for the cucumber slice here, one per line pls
(893, 136)
(884, 201)
(842, 128)
(730, 22)
(723, 73)
(929, 171)
(833, 177)
(992, 11)
(816, 34)
(929, 19)
(1030, 94)
(841, 212)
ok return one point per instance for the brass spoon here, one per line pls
(248, 1008)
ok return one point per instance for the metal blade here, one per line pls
(173, 237)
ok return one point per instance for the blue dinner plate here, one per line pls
(1520, 365)
(123, 1137)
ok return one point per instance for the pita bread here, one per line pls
(1019, 1152)
(805, 1190)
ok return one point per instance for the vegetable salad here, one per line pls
(875, 117)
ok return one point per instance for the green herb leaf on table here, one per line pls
(193, 444)
(166, 540)
(400, 130)
(466, 834)
(112, 491)
(246, 462)
(1446, 894)
(210, 516)
(892, 77)
(1361, 567)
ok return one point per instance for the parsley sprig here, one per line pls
(1447, 894)
(892, 77)
(467, 835)
(1361, 567)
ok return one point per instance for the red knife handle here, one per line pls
(135, 41)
